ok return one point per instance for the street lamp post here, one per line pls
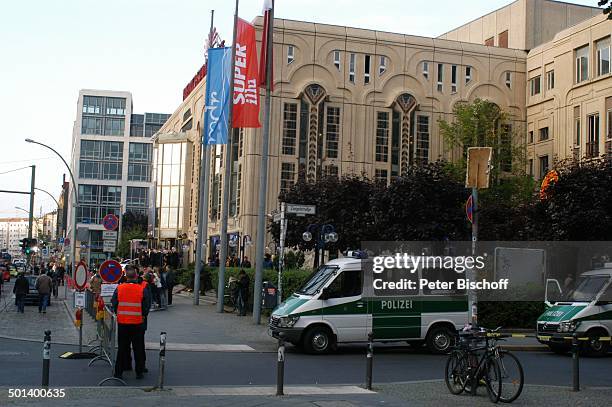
(325, 234)
(75, 204)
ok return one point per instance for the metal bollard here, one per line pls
(370, 359)
(46, 358)
(280, 367)
(162, 360)
(575, 364)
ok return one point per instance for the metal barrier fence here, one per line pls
(90, 303)
(107, 336)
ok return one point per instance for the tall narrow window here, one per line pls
(603, 57)
(543, 166)
(582, 64)
(287, 177)
(366, 69)
(502, 39)
(490, 42)
(352, 68)
(509, 79)
(332, 132)
(337, 59)
(544, 134)
(530, 165)
(468, 74)
(422, 140)
(550, 80)
(535, 85)
(530, 137)
(426, 69)
(289, 128)
(440, 77)
(382, 136)
(382, 65)
(592, 146)
(609, 124)
(290, 54)
(454, 78)
(577, 127)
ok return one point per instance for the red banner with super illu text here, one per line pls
(246, 89)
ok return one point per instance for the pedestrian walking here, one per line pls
(131, 303)
(54, 282)
(44, 286)
(170, 279)
(61, 271)
(243, 292)
(21, 290)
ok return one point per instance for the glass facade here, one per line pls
(103, 116)
(101, 160)
(170, 185)
(153, 122)
(137, 200)
(96, 201)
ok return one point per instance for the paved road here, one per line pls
(21, 365)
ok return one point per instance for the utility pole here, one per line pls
(31, 214)
(202, 236)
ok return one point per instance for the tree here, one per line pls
(426, 204)
(483, 124)
(607, 5)
(133, 226)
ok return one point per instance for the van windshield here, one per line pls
(587, 288)
(318, 280)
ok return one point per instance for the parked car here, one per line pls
(13, 270)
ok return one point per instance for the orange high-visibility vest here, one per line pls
(129, 309)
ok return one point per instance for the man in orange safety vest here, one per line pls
(131, 303)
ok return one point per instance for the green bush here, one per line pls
(511, 314)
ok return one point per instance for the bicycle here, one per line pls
(463, 361)
(465, 370)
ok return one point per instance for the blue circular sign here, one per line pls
(111, 271)
(110, 222)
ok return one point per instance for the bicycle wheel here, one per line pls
(512, 376)
(492, 376)
(455, 374)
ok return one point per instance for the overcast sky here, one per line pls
(152, 48)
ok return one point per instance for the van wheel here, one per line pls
(318, 340)
(595, 347)
(440, 340)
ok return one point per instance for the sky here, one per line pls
(49, 50)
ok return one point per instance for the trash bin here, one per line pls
(269, 295)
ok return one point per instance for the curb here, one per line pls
(525, 348)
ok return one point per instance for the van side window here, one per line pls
(347, 284)
(607, 295)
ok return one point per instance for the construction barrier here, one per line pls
(107, 336)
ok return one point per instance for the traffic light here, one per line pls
(31, 245)
(23, 243)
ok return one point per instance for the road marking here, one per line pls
(6, 353)
(269, 391)
(201, 347)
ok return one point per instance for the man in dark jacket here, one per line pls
(21, 289)
(170, 278)
(243, 292)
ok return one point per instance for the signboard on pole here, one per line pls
(79, 299)
(80, 276)
(110, 222)
(109, 235)
(478, 167)
(107, 289)
(109, 246)
(297, 209)
(111, 271)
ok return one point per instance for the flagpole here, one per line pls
(263, 176)
(202, 237)
(226, 176)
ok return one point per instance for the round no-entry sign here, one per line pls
(111, 271)
(80, 276)
(110, 222)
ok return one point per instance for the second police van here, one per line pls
(339, 304)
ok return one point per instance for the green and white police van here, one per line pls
(339, 304)
(586, 311)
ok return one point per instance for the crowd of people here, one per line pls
(49, 277)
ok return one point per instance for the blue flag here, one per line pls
(216, 112)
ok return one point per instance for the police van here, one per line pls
(339, 304)
(586, 311)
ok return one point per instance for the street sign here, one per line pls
(86, 221)
(109, 235)
(107, 289)
(276, 217)
(60, 240)
(45, 251)
(79, 299)
(469, 209)
(110, 222)
(298, 209)
(111, 271)
(80, 276)
(109, 246)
